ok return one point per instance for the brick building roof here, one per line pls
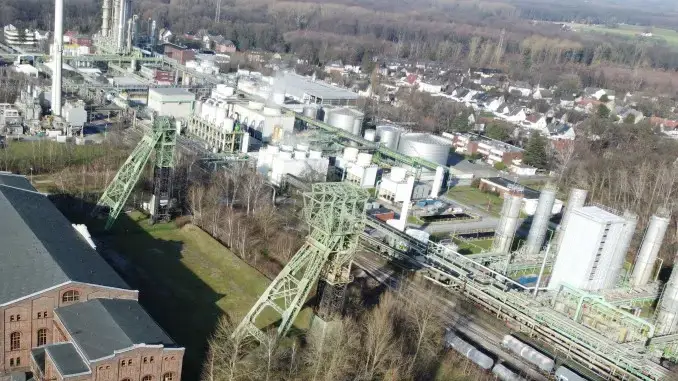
(124, 322)
(40, 249)
(64, 356)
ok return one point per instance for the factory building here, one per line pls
(74, 114)
(66, 312)
(210, 123)
(157, 75)
(396, 186)
(14, 37)
(264, 122)
(307, 90)
(174, 102)
(275, 162)
(592, 250)
(358, 168)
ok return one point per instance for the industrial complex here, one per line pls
(576, 307)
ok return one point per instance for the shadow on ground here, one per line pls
(189, 314)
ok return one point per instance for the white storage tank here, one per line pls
(197, 111)
(273, 149)
(370, 135)
(313, 154)
(357, 125)
(364, 159)
(311, 111)
(342, 119)
(279, 98)
(228, 124)
(220, 114)
(389, 136)
(286, 148)
(351, 153)
(271, 111)
(425, 146)
(300, 155)
(302, 147)
(252, 105)
(207, 110)
(398, 174)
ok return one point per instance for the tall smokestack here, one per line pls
(57, 53)
(508, 222)
(116, 21)
(540, 222)
(106, 18)
(652, 242)
(576, 199)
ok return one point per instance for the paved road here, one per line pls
(481, 328)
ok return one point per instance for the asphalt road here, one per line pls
(485, 330)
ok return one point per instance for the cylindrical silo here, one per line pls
(425, 146)
(389, 136)
(540, 221)
(351, 154)
(652, 242)
(370, 135)
(577, 199)
(667, 317)
(197, 111)
(228, 124)
(508, 222)
(617, 263)
(311, 111)
(357, 125)
(220, 113)
(342, 119)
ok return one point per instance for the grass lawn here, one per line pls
(670, 36)
(474, 246)
(475, 197)
(415, 220)
(187, 280)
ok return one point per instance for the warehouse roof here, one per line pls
(100, 327)
(292, 82)
(40, 248)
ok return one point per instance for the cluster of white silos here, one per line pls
(215, 112)
(540, 221)
(275, 162)
(343, 118)
(389, 136)
(508, 222)
(357, 167)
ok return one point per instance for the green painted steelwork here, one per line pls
(161, 138)
(335, 214)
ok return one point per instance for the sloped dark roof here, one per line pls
(40, 248)
(67, 360)
(100, 327)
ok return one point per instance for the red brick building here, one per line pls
(65, 312)
(179, 53)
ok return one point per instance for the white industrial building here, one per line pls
(592, 250)
(308, 90)
(174, 102)
(358, 168)
(396, 186)
(276, 162)
(74, 114)
(264, 122)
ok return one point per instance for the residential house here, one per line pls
(432, 86)
(587, 105)
(626, 113)
(222, 45)
(544, 94)
(492, 151)
(489, 83)
(165, 35)
(494, 103)
(334, 67)
(522, 88)
(663, 123)
(536, 121)
(516, 114)
(567, 101)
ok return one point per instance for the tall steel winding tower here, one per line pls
(161, 138)
(335, 215)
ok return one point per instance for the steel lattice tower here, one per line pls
(335, 213)
(162, 139)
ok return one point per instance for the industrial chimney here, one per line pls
(58, 50)
(647, 255)
(106, 18)
(540, 222)
(576, 199)
(508, 222)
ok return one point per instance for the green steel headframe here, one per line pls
(335, 214)
(162, 138)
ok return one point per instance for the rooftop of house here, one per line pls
(40, 248)
(100, 327)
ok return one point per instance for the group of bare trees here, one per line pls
(235, 206)
(399, 339)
